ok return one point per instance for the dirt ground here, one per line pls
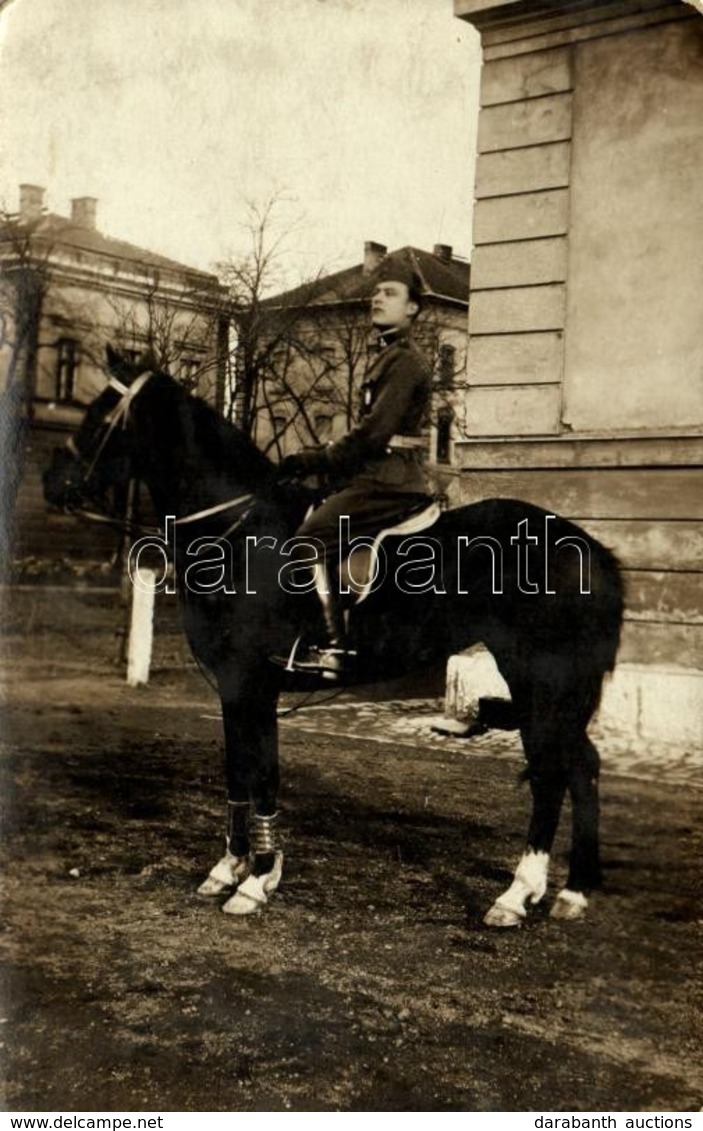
(369, 983)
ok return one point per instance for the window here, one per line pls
(447, 361)
(280, 358)
(188, 371)
(444, 435)
(328, 353)
(67, 362)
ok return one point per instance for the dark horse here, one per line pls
(544, 598)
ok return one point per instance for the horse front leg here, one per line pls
(253, 862)
(266, 868)
(233, 867)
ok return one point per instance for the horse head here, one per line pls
(95, 462)
(145, 425)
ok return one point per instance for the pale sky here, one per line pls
(173, 113)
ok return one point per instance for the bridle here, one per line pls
(119, 415)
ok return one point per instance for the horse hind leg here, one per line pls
(537, 705)
(528, 886)
(584, 861)
(574, 766)
(555, 695)
(529, 883)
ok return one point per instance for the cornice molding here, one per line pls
(665, 450)
(524, 15)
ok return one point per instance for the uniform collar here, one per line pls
(391, 337)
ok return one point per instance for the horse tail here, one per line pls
(601, 631)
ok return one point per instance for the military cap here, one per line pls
(393, 269)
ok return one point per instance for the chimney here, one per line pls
(443, 251)
(31, 203)
(373, 254)
(83, 211)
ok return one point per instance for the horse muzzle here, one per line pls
(64, 481)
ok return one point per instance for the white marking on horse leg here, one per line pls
(253, 893)
(530, 883)
(228, 872)
(569, 905)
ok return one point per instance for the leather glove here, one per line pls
(299, 465)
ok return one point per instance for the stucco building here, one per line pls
(585, 355)
(66, 289)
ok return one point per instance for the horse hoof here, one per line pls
(273, 878)
(569, 905)
(252, 894)
(500, 916)
(227, 873)
(249, 897)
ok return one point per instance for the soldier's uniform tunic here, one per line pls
(380, 458)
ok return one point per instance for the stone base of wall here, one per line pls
(642, 704)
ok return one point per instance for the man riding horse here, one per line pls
(552, 647)
(377, 466)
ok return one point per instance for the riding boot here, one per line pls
(334, 659)
(332, 611)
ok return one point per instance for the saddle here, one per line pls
(357, 571)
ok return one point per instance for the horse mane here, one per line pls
(237, 447)
(226, 446)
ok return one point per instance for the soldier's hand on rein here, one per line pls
(298, 466)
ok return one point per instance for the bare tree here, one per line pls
(315, 374)
(344, 339)
(177, 324)
(270, 333)
(25, 280)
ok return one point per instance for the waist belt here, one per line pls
(408, 443)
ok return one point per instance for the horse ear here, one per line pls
(112, 358)
(148, 360)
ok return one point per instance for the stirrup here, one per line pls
(287, 662)
(326, 663)
(329, 661)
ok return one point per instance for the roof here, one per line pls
(446, 279)
(67, 233)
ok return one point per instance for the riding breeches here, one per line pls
(367, 512)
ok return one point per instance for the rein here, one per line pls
(241, 499)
